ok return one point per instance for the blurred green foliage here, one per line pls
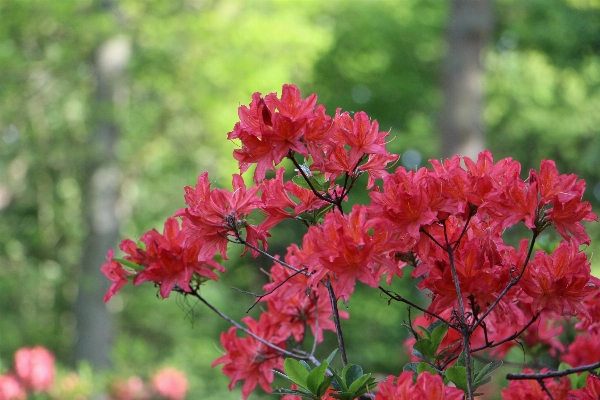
(193, 63)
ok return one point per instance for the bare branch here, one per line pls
(297, 354)
(553, 374)
(336, 320)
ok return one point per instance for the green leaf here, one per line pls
(419, 355)
(321, 179)
(335, 384)
(352, 373)
(435, 325)
(458, 375)
(358, 383)
(296, 372)
(425, 331)
(300, 181)
(324, 385)
(411, 367)
(317, 182)
(581, 380)
(331, 356)
(316, 377)
(426, 348)
(305, 365)
(129, 264)
(320, 213)
(438, 335)
(482, 382)
(282, 375)
(368, 385)
(293, 392)
(561, 367)
(487, 370)
(444, 352)
(426, 367)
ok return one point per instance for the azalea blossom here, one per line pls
(249, 359)
(445, 224)
(427, 387)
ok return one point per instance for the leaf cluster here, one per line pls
(427, 350)
(313, 383)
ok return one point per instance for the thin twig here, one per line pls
(553, 374)
(297, 354)
(545, 389)
(259, 297)
(314, 190)
(513, 281)
(241, 240)
(432, 238)
(336, 320)
(495, 344)
(398, 298)
(464, 328)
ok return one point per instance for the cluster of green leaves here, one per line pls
(427, 350)
(313, 383)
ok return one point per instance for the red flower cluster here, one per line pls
(161, 258)
(531, 389)
(271, 127)
(447, 223)
(427, 387)
(250, 359)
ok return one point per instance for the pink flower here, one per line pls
(427, 387)
(10, 389)
(35, 368)
(131, 389)
(170, 383)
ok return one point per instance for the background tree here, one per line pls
(102, 182)
(470, 23)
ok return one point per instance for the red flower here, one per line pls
(115, 273)
(248, 359)
(567, 216)
(584, 350)
(292, 308)
(427, 387)
(271, 127)
(350, 246)
(171, 262)
(531, 389)
(559, 282)
(591, 391)
(213, 214)
(361, 135)
(404, 202)
(291, 104)
(552, 184)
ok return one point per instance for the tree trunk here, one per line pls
(460, 123)
(94, 322)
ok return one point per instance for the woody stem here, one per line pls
(336, 320)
